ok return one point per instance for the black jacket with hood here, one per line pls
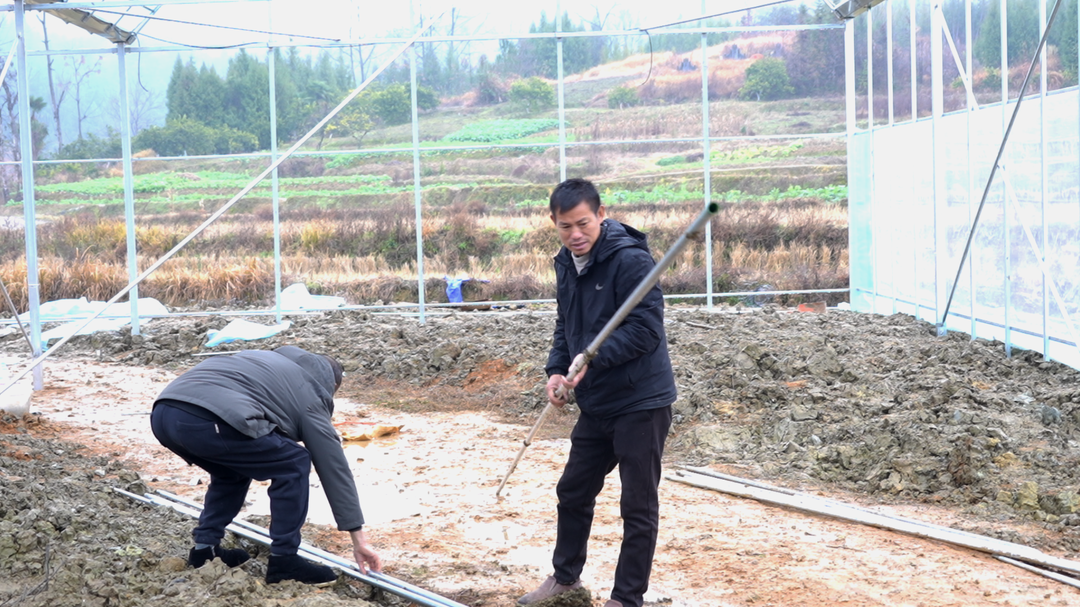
(632, 369)
(289, 390)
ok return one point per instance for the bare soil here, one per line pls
(872, 410)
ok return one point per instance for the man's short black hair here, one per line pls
(573, 192)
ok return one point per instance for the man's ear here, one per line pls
(600, 212)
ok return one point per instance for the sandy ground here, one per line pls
(429, 495)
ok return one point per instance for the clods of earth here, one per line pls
(874, 410)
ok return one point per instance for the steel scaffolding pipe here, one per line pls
(261, 535)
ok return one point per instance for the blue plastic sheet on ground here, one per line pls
(296, 297)
(244, 330)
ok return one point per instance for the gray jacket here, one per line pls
(289, 390)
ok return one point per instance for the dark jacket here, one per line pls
(289, 390)
(632, 370)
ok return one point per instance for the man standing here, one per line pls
(624, 395)
(242, 417)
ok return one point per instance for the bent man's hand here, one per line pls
(365, 555)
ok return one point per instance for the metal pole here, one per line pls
(305, 547)
(36, 363)
(849, 107)
(1042, 179)
(870, 146)
(706, 160)
(1006, 222)
(914, 68)
(893, 245)
(694, 232)
(417, 193)
(129, 186)
(971, 106)
(937, 105)
(889, 60)
(263, 537)
(561, 92)
(15, 312)
(26, 157)
(997, 160)
(913, 219)
(7, 62)
(275, 197)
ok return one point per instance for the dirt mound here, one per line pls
(60, 544)
(873, 404)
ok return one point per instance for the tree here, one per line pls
(1024, 32)
(533, 93)
(816, 63)
(189, 137)
(766, 79)
(1063, 35)
(490, 89)
(247, 108)
(195, 93)
(38, 130)
(57, 99)
(621, 97)
(92, 147)
(82, 70)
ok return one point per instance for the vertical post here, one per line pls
(971, 103)
(914, 72)
(937, 109)
(849, 103)
(706, 163)
(1007, 240)
(893, 248)
(26, 156)
(561, 93)
(889, 59)
(1044, 210)
(914, 116)
(417, 194)
(275, 198)
(129, 187)
(874, 232)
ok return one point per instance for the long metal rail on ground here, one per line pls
(1015, 554)
(261, 535)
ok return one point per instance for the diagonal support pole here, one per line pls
(15, 314)
(214, 217)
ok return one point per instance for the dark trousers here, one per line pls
(233, 459)
(634, 442)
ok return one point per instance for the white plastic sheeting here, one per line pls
(908, 232)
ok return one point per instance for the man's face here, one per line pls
(579, 227)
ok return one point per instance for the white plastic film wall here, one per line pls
(914, 194)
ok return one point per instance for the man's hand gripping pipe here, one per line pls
(694, 232)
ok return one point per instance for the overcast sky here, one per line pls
(211, 29)
(353, 20)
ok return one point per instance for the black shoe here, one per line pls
(295, 567)
(233, 557)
